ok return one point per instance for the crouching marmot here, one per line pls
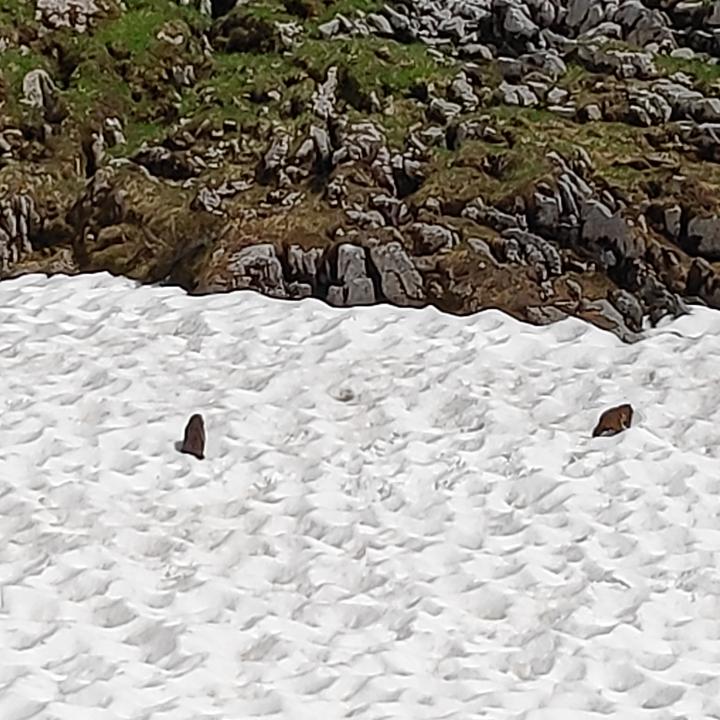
(614, 421)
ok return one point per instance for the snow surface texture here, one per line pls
(402, 514)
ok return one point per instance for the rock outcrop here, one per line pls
(549, 159)
(614, 421)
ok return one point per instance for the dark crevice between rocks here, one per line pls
(682, 239)
(218, 8)
(372, 272)
(406, 185)
(319, 282)
(326, 276)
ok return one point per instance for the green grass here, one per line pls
(234, 79)
(14, 65)
(575, 78)
(16, 11)
(512, 114)
(406, 114)
(99, 84)
(705, 75)
(462, 175)
(91, 83)
(136, 133)
(348, 8)
(271, 10)
(385, 66)
(238, 81)
(136, 29)
(367, 63)
(241, 71)
(535, 133)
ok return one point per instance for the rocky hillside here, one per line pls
(547, 157)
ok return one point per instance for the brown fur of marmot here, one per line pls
(194, 440)
(614, 421)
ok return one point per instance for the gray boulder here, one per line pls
(629, 307)
(39, 90)
(401, 283)
(704, 236)
(520, 95)
(356, 288)
(443, 111)
(461, 92)
(304, 263)
(18, 217)
(609, 235)
(429, 239)
(257, 267)
(543, 256)
(73, 14)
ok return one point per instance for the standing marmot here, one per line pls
(194, 440)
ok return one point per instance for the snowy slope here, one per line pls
(401, 516)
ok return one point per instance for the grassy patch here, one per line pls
(387, 67)
(119, 69)
(239, 84)
(406, 113)
(530, 135)
(94, 85)
(481, 170)
(14, 65)
(137, 133)
(576, 79)
(238, 73)
(705, 75)
(271, 10)
(348, 8)
(16, 11)
(136, 29)
(524, 117)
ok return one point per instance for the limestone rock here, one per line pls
(304, 263)
(257, 267)
(461, 91)
(274, 159)
(429, 239)
(520, 95)
(324, 98)
(355, 287)
(400, 282)
(609, 233)
(629, 307)
(538, 252)
(443, 111)
(39, 90)
(18, 220)
(73, 14)
(704, 236)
